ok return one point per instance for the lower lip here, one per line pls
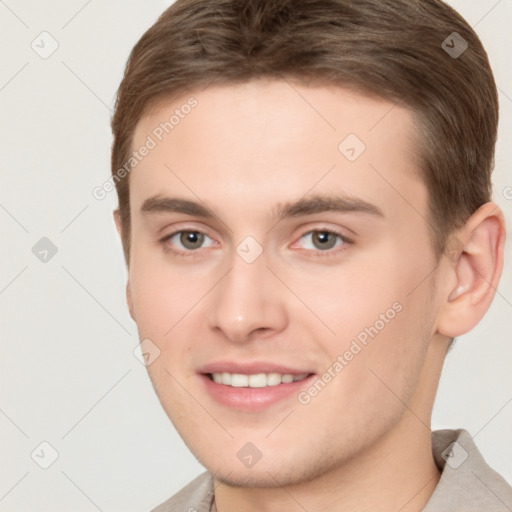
(253, 399)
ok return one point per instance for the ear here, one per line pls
(129, 301)
(473, 269)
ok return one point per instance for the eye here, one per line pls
(323, 240)
(185, 241)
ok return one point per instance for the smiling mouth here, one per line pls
(256, 380)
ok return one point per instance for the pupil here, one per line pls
(325, 240)
(191, 239)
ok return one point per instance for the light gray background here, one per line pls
(68, 373)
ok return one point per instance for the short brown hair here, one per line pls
(389, 48)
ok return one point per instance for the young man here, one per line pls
(304, 206)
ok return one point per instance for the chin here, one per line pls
(286, 469)
(262, 478)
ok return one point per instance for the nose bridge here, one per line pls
(245, 300)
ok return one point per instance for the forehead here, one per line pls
(270, 139)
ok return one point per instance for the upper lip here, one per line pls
(250, 368)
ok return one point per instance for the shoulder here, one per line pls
(196, 496)
(467, 482)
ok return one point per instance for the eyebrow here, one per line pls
(321, 204)
(159, 204)
(301, 207)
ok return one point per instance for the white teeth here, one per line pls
(273, 379)
(257, 380)
(239, 380)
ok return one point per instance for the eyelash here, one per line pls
(195, 253)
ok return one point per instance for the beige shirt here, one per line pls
(467, 483)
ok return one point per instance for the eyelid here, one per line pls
(184, 226)
(325, 228)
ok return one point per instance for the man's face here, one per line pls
(315, 253)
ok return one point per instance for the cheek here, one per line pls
(162, 294)
(380, 366)
(168, 303)
(365, 296)
(379, 313)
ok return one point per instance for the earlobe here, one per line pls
(475, 271)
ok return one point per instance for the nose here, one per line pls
(248, 303)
